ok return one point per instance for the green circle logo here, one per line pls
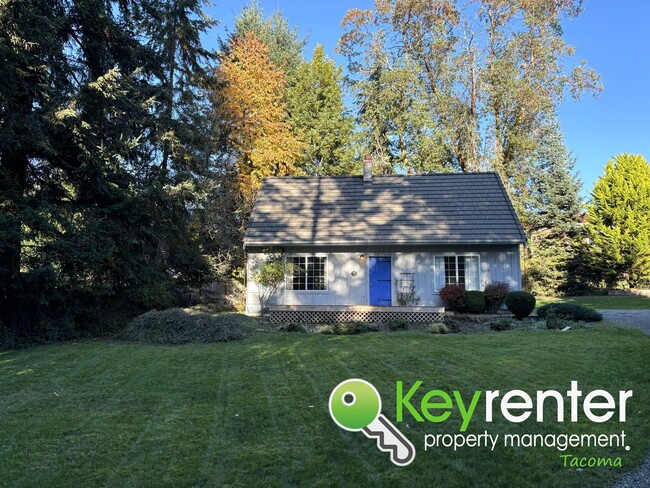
(354, 404)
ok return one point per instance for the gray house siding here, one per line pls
(496, 263)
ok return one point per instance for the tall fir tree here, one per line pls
(283, 41)
(317, 114)
(33, 82)
(552, 214)
(99, 227)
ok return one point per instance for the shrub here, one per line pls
(292, 328)
(495, 294)
(475, 302)
(559, 321)
(325, 329)
(500, 324)
(184, 325)
(349, 328)
(570, 311)
(520, 303)
(454, 297)
(7, 338)
(438, 328)
(453, 326)
(397, 324)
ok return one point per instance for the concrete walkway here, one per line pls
(635, 318)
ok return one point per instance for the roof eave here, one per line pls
(252, 243)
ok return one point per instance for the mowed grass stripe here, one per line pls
(73, 398)
(323, 380)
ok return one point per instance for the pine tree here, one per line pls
(317, 114)
(552, 214)
(618, 223)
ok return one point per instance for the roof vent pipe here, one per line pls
(367, 168)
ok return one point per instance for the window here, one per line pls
(309, 273)
(457, 270)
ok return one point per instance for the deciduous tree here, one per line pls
(249, 106)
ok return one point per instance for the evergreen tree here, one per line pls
(316, 113)
(618, 223)
(91, 225)
(33, 82)
(174, 31)
(552, 214)
(284, 44)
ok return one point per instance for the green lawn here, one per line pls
(254, 413)
(604, 302)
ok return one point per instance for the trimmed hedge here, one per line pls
(183, 325)
(475, 302)
(520, 303)
(570, 311)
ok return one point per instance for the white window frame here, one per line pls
(289, 278)
(438, 286)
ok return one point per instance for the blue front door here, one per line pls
(380, 278)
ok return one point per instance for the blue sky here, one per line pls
(610, 35)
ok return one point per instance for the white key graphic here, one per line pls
(355, 405)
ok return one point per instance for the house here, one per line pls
(356, 242)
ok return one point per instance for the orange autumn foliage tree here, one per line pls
(250, 105)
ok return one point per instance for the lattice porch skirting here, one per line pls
(329, 314)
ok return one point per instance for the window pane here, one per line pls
(472, 278)
(439, 271)
(461, 270)
(316, 273)
(450, 270)
(298, 278)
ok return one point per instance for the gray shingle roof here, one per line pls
(420, 209)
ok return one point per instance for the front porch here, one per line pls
(328, 314)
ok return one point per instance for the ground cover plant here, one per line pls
(571, 311)
(254, 412)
